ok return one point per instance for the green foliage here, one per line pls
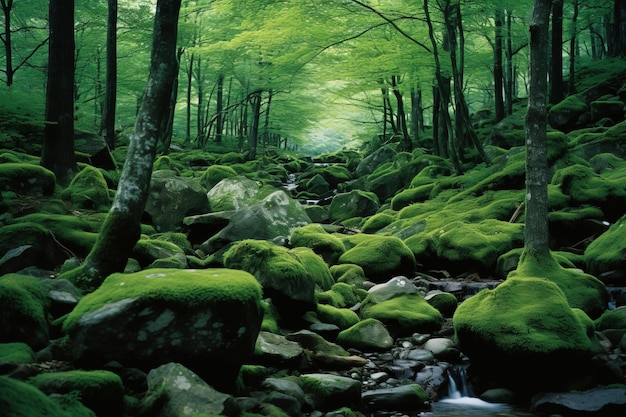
(16, 353)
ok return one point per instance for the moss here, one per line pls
(88, 190)
(603, 254)
(444, 302)
(231, 158)
(21, 399)
(404, 314)
(315, 266)
(341, 317)
(584, 186)
(25, 178)
(367, 335)
(376, 222)
(411, 195)
(567, 111)
(270, 317)
(315, 237)
(147, 251)
(317, 185)
(581, 290)
(186, 288)
(348, 273)
(214, 174)
(356, 203)
(16, 353)
(381, 257)
(341, 295)
(102, 391)
(611, 319)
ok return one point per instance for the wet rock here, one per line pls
(402, 398)
(600, 401)
(330, 392)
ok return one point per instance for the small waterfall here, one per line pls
(458, 386)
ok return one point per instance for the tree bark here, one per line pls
(219, 110)
(107, 129)
(188, 109)
(571, 87)
(498, 73)
(57, 153)
(536, 239)
(7, 6)
(510, 78)
(405, 143)
(253, 132)
(121, 228)
(556, 76)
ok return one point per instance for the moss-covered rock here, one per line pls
(608, 251)
(317, 185)
(16, 353)
(524, 328)
(335, 174)
(381, 257)
(18, 398)
(323, 243)
(341, 317)
(100, 391)
(342, 295)
(214, 174)
(148, 251)
(367, 335)
(411, 195)
(376, 222)
(355, 203)
(23, 314)
(281, 273)
(25, 178)
(348, 273)
(28, 244)
(565, 115)
(444, 302)
(315, 265)
(205, 319)
(404, 315)
(612, 319)
(88, 190)
(330, 392)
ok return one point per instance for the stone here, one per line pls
(206, 320)
(410, 397)
(600, 401)
(372, 161)
(276, 350)
(330, 392)
(25, 178)
(183, 393)
(443, 349)
(87, 190)
(366, 335)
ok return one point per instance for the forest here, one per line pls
(342, 208)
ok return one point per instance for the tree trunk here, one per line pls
(616, 30)
(253, 132)
(188, 110)
(536, 239)
(266, 123)
(405, 144)
(556, 76)
(121, 228)
(163, 146)
(498, 73)
(7, 6)
(57, 153)
(219, 110)
(571, 87)
(510, 78)
(107, 128)
(417, 112)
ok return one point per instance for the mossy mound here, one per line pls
(355, 203)
(315, 265)
(317, 185)
(341, 317)
(23, 305)
(582, 291)
(411, 196)
(524, 328)
(444, 302)
(25, 178)
(376, 222)
(323, 243)
(101, 391)
(342, 295)
(18, 398)
(88, 190)
(612, 319)
(214, 174)
(28, 244)
(152, 251)
(608, 251)
(16, 353)
(381, 257)
(565, 114)
(348, 273)
(367, 335)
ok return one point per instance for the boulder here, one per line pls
(410, 397)
(171, 198)
(29, 244)
(604, 401)
(214, 174)
(367, 335)
(181, 393)
(323, 243)
(275, 350)
(330, 392)
(355, 203)
(372, 161)
(568, 114)
(234, 193)
(381, 257)
(88, 190)
(26, 178)
(16, 353)
(205, 319)
(603, 255)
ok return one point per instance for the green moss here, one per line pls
(356, 203)
(348, 273)
(412, 195)
(147, 251)
(21, 399)
(315, 237)
(186, 288)
(341, 295)
(231, 158)
(367, 335)
(341, 317)
(581, 290)
(584, 186)
(605, 253)
(16, 353)
(376, 222)
(26, 178)
(381, 257)
(88, 190)
(404, 314)
(444, 302)
(611, 319)
(315, 266)
(214, 174)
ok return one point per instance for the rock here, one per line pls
(62, 296)
(445, 302)
(367, 335)
(565, 115)
(434, 380)
(612, 109)
(409, 397)
(498, 395)
(443, 348)
(330, 392)
(214, 174)
(276, 350)
(234, 193)
(599, 401)
(421, 355)
(16, 353)
(371, 162)
(88, 190)
(291, 397)
(602, 255)
(100, 391)
(183, 393)
(29, 244)
(171, 198)
(154, 253)
(352, 204)
(316, 343)
(381, 257)
(313, 236)
(25, 178)
(23, 314)
(207, 320)
(317, 185)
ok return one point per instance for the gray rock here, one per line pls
(444, 349)
(600, 401)
(434, 380)
(291, 397)
(421, 355)
(372, 161)
(274, 349)
(330, 392)
(233, 193)
(402, 398)
(184, 393)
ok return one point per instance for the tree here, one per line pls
(556, 67)
(536, 226)
(121, 229)
(107, 128)
(57, 152)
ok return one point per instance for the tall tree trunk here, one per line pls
(253, 132)
(107, 128)
(510, 78)
(571, 87)
(417, 112)
(219, 110)
(556, 76)
(266, 123)
(498, 73)
(163, 146)
(536, 240)
(7, 6)
(616, 30)
(57, 152)
(121, 228)
(405, 144)
(188, 109)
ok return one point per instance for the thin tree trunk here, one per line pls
(536, 226)
(253, 132)
(556, 76)
(266, 123)
(498, 73)
(510, 78)
(121, 228)
(219, 111)
(163, 147)
(405, 143)
(188, 110)
(7, 6)
(417, 112)
(107, 129)
(57, 153)
(571, 87)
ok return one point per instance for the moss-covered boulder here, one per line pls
(25, 178)
(335, 174)
(608, 251)
(88, 190)
(349, 274)
(612, 319)
(100, 391)
(566, 115)
(380, 156)
(17, 398)
(23, 314)
(369, 335)
(207, 320)
(314, 236)
(214, 174)
(445, 302)
(342, 295)
(330, 392)
(376, 222)
(317, 185)
(282, 274)
(28, 244)
(355, 203)
(16, 353)
(381, 257)
(523, 329)
(150, 252)
(341, 317)
(235, 192)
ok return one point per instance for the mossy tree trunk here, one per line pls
(536, 242)
(121, 228)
